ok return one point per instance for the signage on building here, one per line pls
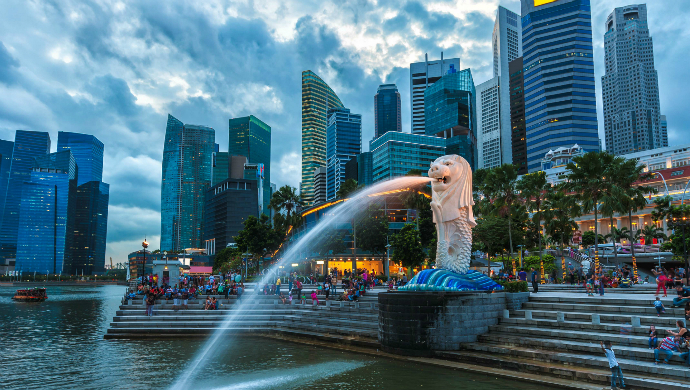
(537, 3)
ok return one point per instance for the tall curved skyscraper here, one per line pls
(317, 99)
(187, 167)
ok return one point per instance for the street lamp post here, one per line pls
(246, 258)
(388, 260)
(143, 266)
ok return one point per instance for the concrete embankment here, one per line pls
(553, 339)
(64, 283)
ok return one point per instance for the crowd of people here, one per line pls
(189, 288)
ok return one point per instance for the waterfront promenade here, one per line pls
(554, 335)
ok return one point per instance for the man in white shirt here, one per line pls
(613, 364)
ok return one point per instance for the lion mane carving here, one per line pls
(451, 204)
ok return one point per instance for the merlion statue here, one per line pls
(451, 205)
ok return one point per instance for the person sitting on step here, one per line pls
(659, 306)
(667, 346)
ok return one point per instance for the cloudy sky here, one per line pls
(115, 69)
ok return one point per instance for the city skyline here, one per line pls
(63, 84)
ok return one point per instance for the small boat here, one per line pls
(31, 295)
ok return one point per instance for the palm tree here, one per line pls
(587, 178)
(500, 186)
(633, 197)
(285, 198)
(561, 209)
(651, 232)
(534, 189)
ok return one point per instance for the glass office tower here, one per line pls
(450, 112)
(187, 171)
(560, 103)
(47, 214)
(387, 110)
(27, 145)
(90, 228)
(88, 153)
(6, 148)
(394, 154)
(250, 137)
(343, 143)
(317, 99)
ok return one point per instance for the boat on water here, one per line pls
(31, 295)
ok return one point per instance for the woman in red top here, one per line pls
(660, 282)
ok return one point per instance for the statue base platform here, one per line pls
(445, 280)
(417, 323)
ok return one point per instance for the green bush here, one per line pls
(515, 287)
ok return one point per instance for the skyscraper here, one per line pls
(394, 154)
(221, 167)
(187, 171)
(422, 75)
(560, 101)
(517, 115)
(320, 185)
(92, 197)
(88, 153)
(489, 137)
(507, 46)
(47, 213)
(387, 110)
(250, 137)
(343, 143)
(450, 112)
(6, 148)
(630, 85)
(317, 99)
(27, 146)
(663, 125)
(90, 228)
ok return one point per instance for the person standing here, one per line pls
(613, 364)
(535, 280)
(278, 286)
(326, 288)
(150, 301)
(522, 275)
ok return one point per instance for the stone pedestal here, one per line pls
(417, 323)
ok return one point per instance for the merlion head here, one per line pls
(452, 186)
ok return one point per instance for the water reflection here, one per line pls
(58, 344)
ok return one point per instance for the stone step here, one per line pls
(599, 361)
(645, 320)
(629, 340)
(581, 325)
(640, 354)
(601, 301)
(258, 317)
(596, 308)
(190, 324)
(559, 367)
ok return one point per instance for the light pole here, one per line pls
(143, 266)
(245, 259)
(388, 260)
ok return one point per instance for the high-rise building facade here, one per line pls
(317, 99)
(517, 116)
(663, 125)
(47, 215)
(630, 85)
(450, 112)
(343, 143)
(6, 148)
(422, 75)
(27, 146)
(507, 46)
(387, 110)
(187, 171)
(320, 185)
(88, 153)
(394, 154)
(228, 204)
(489, 136)
(251, 137)
(221, 167)
(558, 67)
(90, 228)
(365, 168)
